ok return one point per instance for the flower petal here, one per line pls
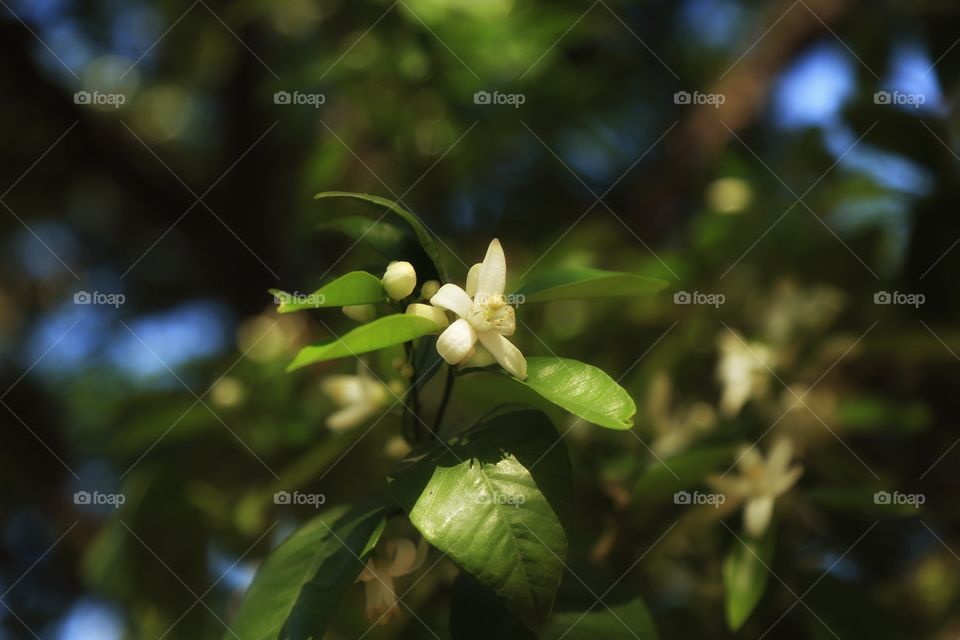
(505, 353)
(453, 298)
(750, 460)
(757, 515)
(406, 557)
(778, 457)
(732, 487)
(381, 600)
(472, 277)
(456, 341)
(493, 274)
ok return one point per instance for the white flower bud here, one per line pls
(429, 289)
(438, 315)
(360, 312)
(399, 280)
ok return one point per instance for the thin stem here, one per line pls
(447, 392)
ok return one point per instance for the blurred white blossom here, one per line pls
(743, 371)
(760, 482)
(359, 397)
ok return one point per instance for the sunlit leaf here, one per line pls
(299, 587)
(382, 332)
(575, 283)
(745, 576)
(423, 235)
(356, 287)
(581, 389)
(490, 500)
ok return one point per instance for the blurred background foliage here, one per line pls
(797, 199)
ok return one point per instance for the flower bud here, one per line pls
(438, 315)
(360, 312)
(399, 280)
(429, 289)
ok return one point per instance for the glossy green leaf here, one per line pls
(299, 587)
(745, 576)
(490, 500)
(581, 389)
(379, 234)
(382, 332)
(356, 287)
(578, 283)
(423, 235)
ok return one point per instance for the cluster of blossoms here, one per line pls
(475, 321)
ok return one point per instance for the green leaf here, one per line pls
(490, 500)
(581, 389)
(356, 287)
(298, 589)
(381, 333)
(576, 283)
(381, 235)
(745, 576)
(608, 620)
(423, 235)
(577, 615)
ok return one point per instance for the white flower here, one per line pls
(484, 315)
(359, 397)
(743, 370)
(399, 280)
(392, 559)
(760, 483)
